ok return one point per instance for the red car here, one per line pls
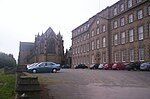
(118, 66)
(107, 66)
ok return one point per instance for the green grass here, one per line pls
(7, 85)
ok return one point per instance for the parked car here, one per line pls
(133, 66)
(118, 66)
(44, 67)
(107, 66)
(82, 66)
(145, 66)
(101, 66)
(95, 66)
(65, 66)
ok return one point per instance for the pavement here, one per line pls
(96, 84)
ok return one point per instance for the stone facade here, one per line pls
(47, 47)
(119, 33)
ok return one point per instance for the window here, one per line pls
(149, 10)
(81, 38)
(103, 28)
(84, 48)
(93, 33)
(88, 25)
(88, 35)
(104, 42)
(81, 29)
(149, 28)
(92, 59)
(97, 44)
(122, 7)
(130, 18)
(88, 47)
(140, 32)
(97, 31)
(81, 48)
(97, 22)
(78, 31)
(123, 55)
(104, 57)
(115, 24)
(123, 38)
(116, 56)
(122, 21)
(140, 14)
(129, 3)
(141, 54)
(138, 1)
(131, 55)
(131, 35)
(84, 27)
(115, 11)
(92, 45)
(84, 37)
(115, 39)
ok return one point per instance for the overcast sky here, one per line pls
(21, 20)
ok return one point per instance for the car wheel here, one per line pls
(34, 70)
(54, 70)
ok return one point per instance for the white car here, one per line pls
(145, 66)
(100, 66)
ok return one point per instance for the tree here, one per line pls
(7, 60)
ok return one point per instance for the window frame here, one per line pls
(97, 30)
(116, 39)
(140, 14)
(104, 42)
(122, 7)
(141, 54)
(130, 18)
(92, 44)
(104, 57)
(97, 43)
(115, 11)
(122, 21)
(131, 37)
(92, 33)
(131, 55)
(130, 3)
(115, 24)
(116, 56)
(141, 33)
(148, 10)
(103, 28)
(123, 38)
(123, 55)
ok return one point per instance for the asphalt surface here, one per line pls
(96, 84)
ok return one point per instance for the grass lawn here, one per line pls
(7, 85)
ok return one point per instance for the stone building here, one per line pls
(119, 33)
(68, 57)
(47, 47)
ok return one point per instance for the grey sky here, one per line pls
(21, 20)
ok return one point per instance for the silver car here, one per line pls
(44, 67)
(145, 66)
